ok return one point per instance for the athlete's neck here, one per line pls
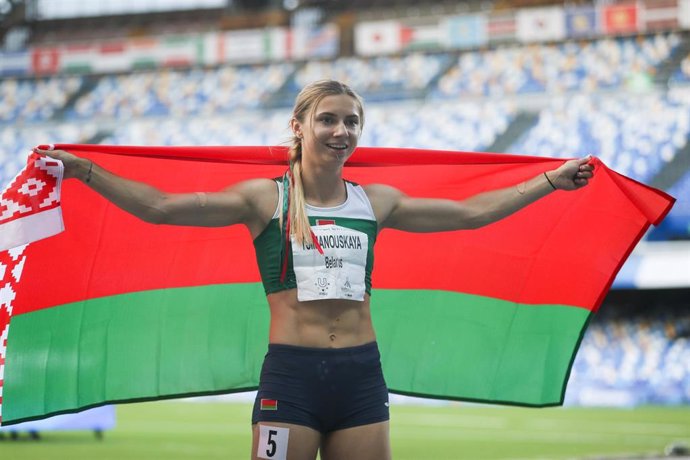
(323, 186)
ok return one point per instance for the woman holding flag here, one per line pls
(321, 385)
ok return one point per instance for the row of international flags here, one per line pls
(543, 24)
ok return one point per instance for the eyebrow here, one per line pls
(354, 115)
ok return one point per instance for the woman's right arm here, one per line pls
(251, 202)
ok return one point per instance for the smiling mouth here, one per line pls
(337, 146)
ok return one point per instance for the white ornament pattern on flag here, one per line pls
(35, 189)
(30, 205)
(11, 267)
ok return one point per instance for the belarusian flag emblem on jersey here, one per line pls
(269, 404)
(325, 222)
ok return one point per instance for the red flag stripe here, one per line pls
(493, 250)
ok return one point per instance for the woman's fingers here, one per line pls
(73, 164)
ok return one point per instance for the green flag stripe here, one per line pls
(78, 355)
(520, 352)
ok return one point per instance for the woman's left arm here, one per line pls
(396, 210)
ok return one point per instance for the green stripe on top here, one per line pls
(142, 345)
(458, 346)
(210, 339)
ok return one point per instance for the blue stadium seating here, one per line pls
(35, 100)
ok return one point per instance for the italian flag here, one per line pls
(117, 310)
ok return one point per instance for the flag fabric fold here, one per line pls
(117, 310)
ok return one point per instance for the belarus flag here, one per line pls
(115, 309)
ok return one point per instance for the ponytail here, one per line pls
(300, 227)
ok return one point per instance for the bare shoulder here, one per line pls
(381, 192)
(383, 198)
(255, 199)
(261, 193)
(251, 186)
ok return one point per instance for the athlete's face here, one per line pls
(334, 131)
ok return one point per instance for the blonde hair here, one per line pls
(305, 106)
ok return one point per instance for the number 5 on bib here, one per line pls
(273, 442)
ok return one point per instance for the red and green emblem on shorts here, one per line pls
(269, 404)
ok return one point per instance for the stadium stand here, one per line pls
(604, 96)
(181, 92)
(469, 126)
(596, 65)
(379, 78)
(635, 135)
(635, 353)
(682, 73)
(35, 100)
(444, 126)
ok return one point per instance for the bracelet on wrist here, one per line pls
(549, 181)
(87, 179)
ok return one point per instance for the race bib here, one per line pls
(339, 272)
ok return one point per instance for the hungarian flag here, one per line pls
(117, 310)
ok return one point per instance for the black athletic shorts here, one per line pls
(326, 389)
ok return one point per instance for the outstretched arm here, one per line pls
(396, 210)
(251, 202)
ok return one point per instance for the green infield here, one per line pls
(184, 430)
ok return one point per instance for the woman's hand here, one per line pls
(572, 175)
(75, 167)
